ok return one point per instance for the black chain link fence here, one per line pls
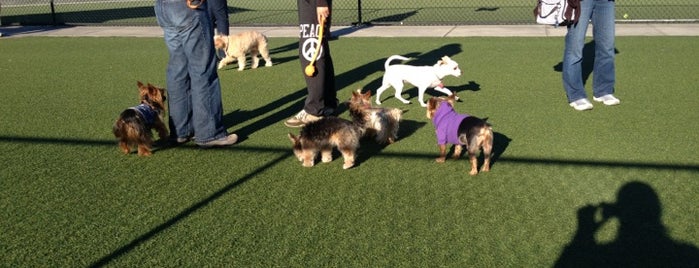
(345, 12)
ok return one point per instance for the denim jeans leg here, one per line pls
(573, 54)
(206, 88)
(172, 17)
(193, 86)
(603, 32)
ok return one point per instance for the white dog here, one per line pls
(422, 77)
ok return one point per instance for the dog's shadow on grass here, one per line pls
(369, 147)
(500, 144)
(293, 46)
(471, 86)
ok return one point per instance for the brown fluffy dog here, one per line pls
(238, 45)
(460, 129)
(382, 123)
(134, 125)
(324, 134)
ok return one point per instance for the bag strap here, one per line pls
(553, 10)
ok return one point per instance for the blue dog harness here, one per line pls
(146, 112)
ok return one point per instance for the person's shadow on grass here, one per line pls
(641, 241)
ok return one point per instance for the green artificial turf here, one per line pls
(69, 198)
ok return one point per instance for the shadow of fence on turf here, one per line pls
(403, 155)
(285, 153)
(127, 15)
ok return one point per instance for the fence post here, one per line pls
(359, 12)
(53, 14)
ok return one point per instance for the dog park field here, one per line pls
(71, 199)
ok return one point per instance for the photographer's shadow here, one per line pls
(641, 241)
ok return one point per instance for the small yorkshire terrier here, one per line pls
(134, 125)
(323, 135)
(382, 123)
(460, 129)
(236, 46)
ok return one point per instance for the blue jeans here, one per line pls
(601, 14)
(194, 92)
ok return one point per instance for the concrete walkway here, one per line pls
(622, 29)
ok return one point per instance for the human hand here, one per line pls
(586, 219)
(323, 14)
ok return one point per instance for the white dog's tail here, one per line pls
(392, 58)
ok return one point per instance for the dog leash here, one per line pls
(310, 68)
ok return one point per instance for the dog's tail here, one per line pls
(486, 138)
(392, 58)
(129, 127)
(483, 137)
(396, 114)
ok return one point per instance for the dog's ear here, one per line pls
(367, 94)
(431, 106)
(140, 85)
(219, 42)
(152, 89)
(446, 58)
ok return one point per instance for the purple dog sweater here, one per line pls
(446, 122)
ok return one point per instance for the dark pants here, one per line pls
(218, 10)
(322, 95)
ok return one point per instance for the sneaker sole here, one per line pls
(581, 109)
(605, 103)
(216, 143)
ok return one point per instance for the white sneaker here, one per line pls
(581, 105)
(608, 99)
(300, 119)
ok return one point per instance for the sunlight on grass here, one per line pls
(71, 199)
